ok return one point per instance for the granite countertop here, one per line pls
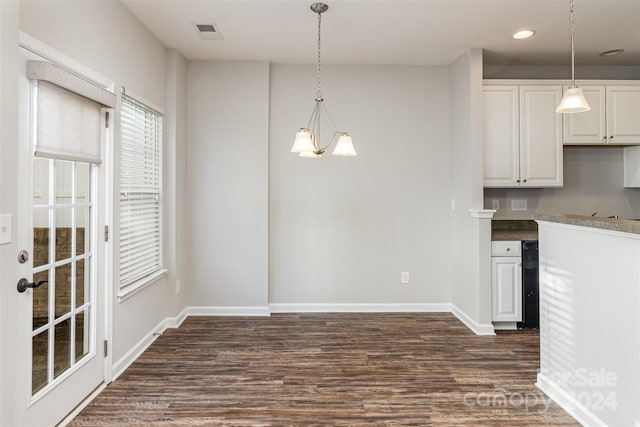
(623, 225)
(514, 230)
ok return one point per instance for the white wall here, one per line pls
(590, 322)
(593, 182)
(343, 228)
(105, 37)
(470, 245)
(176, 214)
(9, 268)
(228, 122)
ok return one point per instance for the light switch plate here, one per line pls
(495, 204)
(5, 229)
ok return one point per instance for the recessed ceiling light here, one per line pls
(612, 52)
(524, 34)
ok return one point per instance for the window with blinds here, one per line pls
(140, 191)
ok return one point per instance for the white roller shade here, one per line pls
(68, 126)
(140, 191)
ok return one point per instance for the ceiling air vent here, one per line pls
(208, 31)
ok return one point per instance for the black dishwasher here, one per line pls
(530, 286)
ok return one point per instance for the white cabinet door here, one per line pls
(506, 289)
(623, 114)
(588, 127)
(501, 146)
(540, 137)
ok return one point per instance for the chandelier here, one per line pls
(307, 142)
(573, 100)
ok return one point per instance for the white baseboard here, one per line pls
(477, 328)
(175, 322)
(125, 361)
(360, 308)
(573, 407)
(129, 357)
(228, 311)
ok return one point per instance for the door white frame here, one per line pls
(34, 48)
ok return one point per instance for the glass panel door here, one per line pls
(63, 307)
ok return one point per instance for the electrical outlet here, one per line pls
(404, 277)
(495, 204)
(178, 286)
(519, 204)
(453, 205)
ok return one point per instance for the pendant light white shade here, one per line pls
(303, 141)
(344, 146)
(573, 101)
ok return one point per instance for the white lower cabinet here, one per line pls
(506, 282)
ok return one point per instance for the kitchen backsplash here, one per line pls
(593, 182)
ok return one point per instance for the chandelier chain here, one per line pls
(319, 94)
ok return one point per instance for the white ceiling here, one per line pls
(418, 32)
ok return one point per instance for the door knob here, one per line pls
(23, 284)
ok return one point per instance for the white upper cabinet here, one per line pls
(623, 114)
(614, 117)
(522, 136)
(501, 145)
(588, 127)
(540, 136)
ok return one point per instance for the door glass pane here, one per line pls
(39, 351)
(82, 334)
(62, 348)
(40, 298)
(82, 282)
(40, 237)
(63, 233)
(63, 290)
(83, 221)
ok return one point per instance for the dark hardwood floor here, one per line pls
(329, 369)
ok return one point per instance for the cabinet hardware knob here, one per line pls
(611, 137)
(518, 180)
(508, 249)
(524, 180)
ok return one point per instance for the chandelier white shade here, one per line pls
(307, 142)
(303, 141)
(573, 100)
(344, 146)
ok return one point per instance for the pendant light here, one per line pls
(307, 142)
(573, 100)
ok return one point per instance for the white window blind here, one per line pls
(68, 125)
(140, 191)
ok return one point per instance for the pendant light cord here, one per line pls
(319, 94)
(573, 53)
